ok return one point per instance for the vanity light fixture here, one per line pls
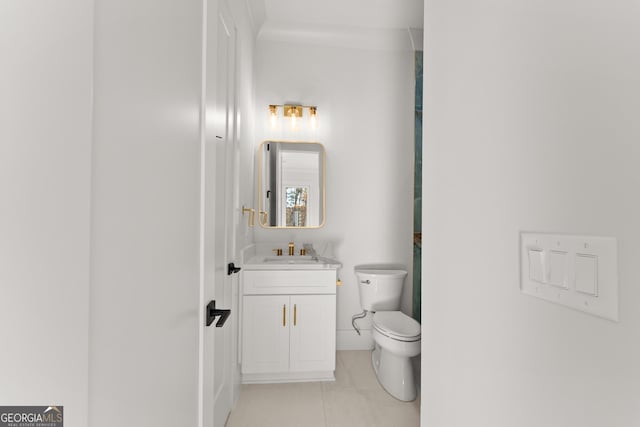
(293, 112)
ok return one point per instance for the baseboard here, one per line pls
(288, 377)
(348, 339)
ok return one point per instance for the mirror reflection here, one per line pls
(291, 184)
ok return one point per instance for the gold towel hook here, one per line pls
(252, 215)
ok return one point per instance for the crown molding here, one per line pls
(338, 36)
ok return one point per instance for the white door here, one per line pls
(219, 146)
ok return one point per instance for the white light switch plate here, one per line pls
(580, 272)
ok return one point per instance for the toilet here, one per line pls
(396, 336)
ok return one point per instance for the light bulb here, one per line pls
(313, 116)
(293, 120)
(273, 115)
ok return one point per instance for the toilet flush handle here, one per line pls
(366, 282)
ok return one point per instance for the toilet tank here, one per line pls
(380, 289)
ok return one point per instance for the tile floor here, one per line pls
(355, 399)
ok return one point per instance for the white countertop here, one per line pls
(286, 262)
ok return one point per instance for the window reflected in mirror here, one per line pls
(296, 206)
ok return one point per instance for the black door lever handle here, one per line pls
(231, 268)
(213, 312)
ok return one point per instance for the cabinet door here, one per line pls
(265, 337)
(313, 333)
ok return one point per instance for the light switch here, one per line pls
(574, 271)
(586, 269)
(536, 265)
(558, 269)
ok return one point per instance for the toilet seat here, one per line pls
(396, 325)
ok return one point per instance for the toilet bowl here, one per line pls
(396, 336)
(397, 340)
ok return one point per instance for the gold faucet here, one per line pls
(278, 251)
(292, 249)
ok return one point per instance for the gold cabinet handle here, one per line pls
(295, 314)
(263, 217)
(284, 315)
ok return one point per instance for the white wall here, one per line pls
(45, 148)
(530, 124)
(366, 106)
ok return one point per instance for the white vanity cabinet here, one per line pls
(288, 325)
